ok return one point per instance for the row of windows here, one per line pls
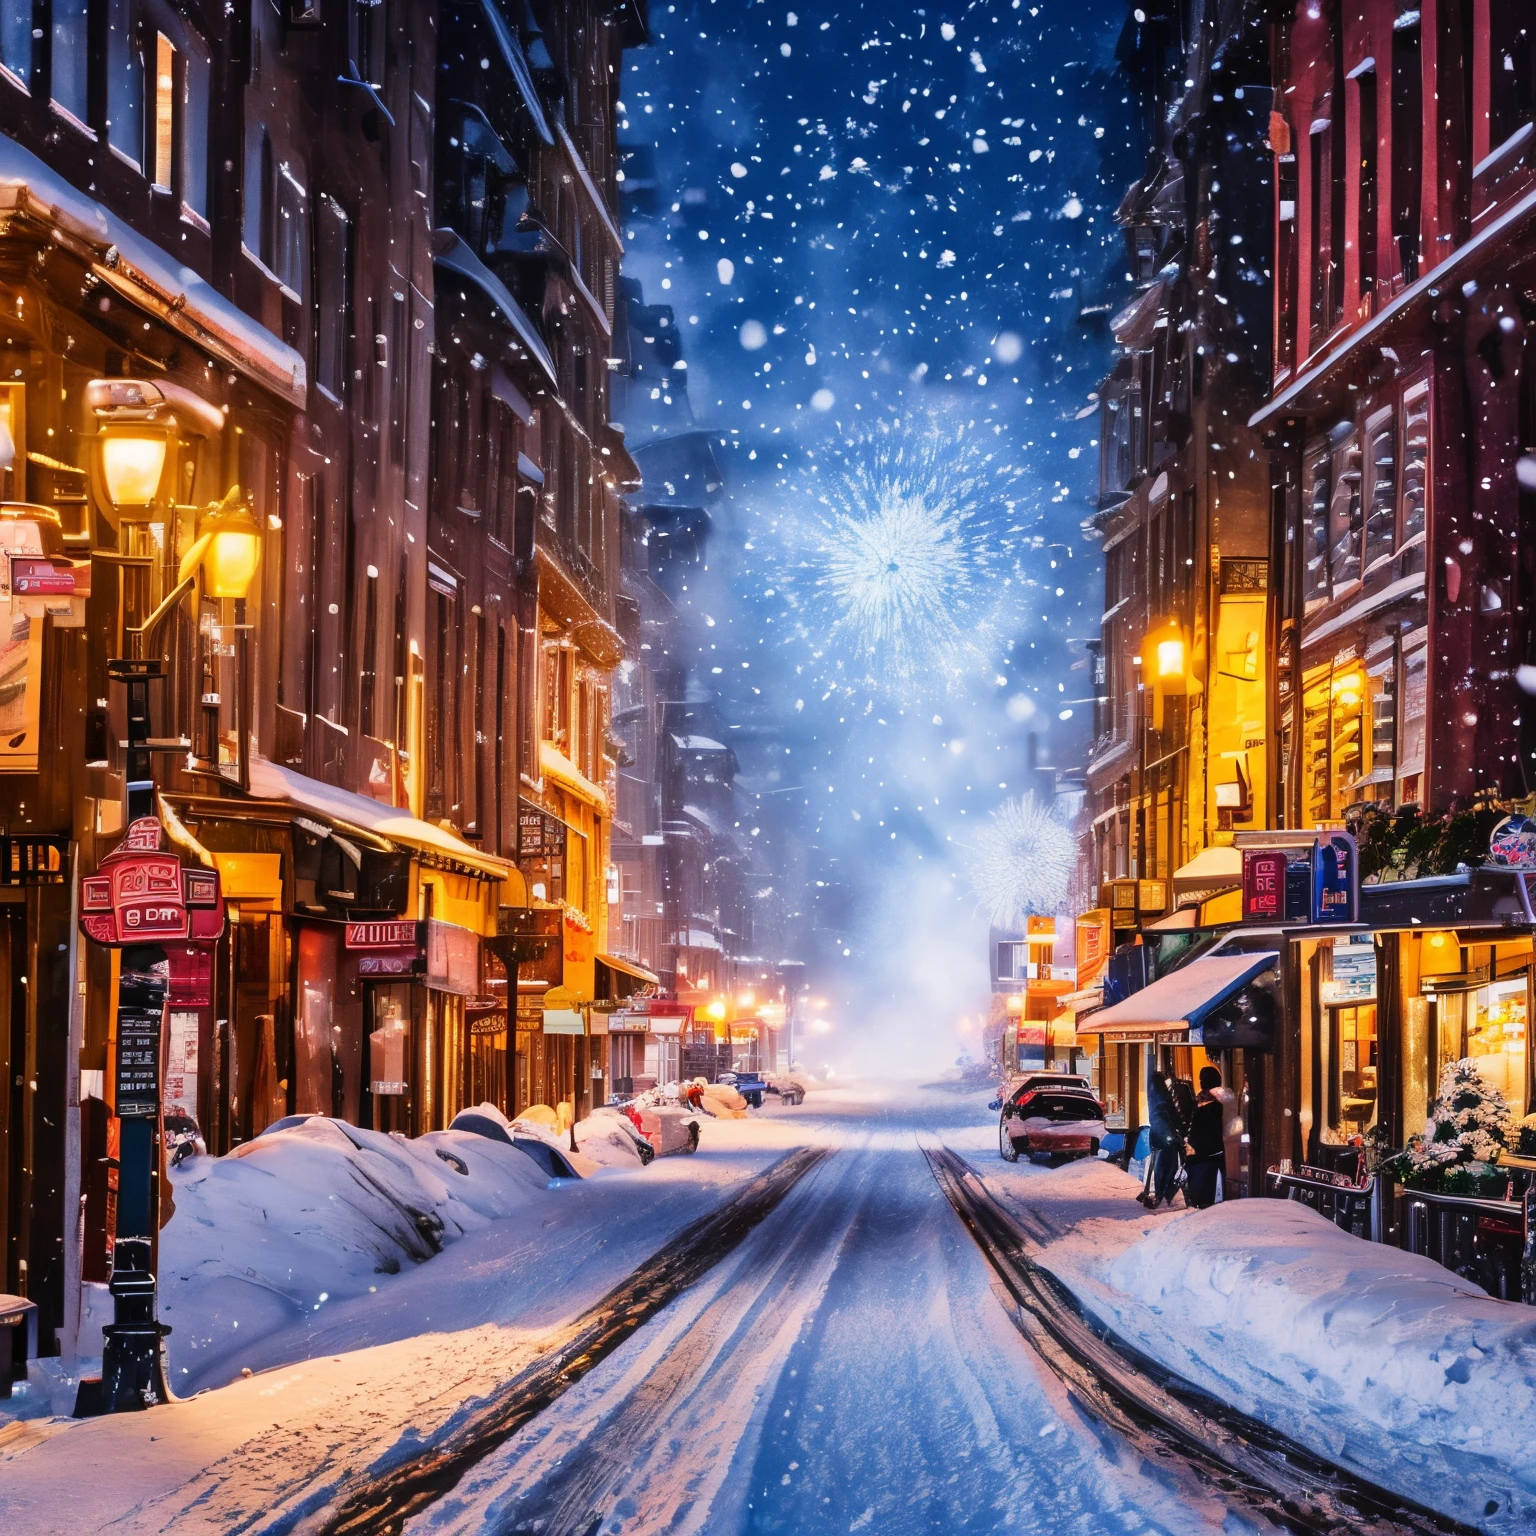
(155, 112)
(1367, 493)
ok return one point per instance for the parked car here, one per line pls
(1045, 1079)
(1047, 1119)
(750, 1085)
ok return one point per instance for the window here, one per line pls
(1365, 223)
(1318, 245)
(290, 255)
(1415, 477)
(1512, 69)
(333, 308)
(1414, 704)
(163, 145)
(368, 699)
(1381, 487)
(1315, 536)
(16, 39)
(397, 374)
(125, 84)
(1344, 519)
(1381, 681)
(256, 233)
(1407, 141)
(369, 20)
(71, 57)
(194, 130)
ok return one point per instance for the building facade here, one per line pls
(309, 315)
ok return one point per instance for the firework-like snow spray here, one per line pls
(904, 551)
(1022, 865)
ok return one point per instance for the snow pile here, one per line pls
(607, 1139)
(1378, 1358)
(316, 1213)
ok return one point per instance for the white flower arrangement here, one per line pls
(1466, 1129)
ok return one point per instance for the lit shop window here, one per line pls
(1496, 1033)
(164, 145)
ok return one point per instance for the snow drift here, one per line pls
(1380, 1359)
(309, 1215)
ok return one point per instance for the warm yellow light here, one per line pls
(228, 547)
(1170, 658)
(132, 464)
(746, 1000)
(1015, 1004)
(716, 1010)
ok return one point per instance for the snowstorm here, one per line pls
(767, 771)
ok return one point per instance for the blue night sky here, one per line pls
(887, 237)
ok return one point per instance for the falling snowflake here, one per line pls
(1023, 865)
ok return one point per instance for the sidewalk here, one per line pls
(1379, 1360)
(385, 1361)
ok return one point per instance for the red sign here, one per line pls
(387, 935)
(1264, 885)
(141, 895)
(35, 577)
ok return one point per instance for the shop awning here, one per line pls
(272, 781)
(1212, 869)
(147, 277)
(554, 764)
(618, 978)
(1180, 1001)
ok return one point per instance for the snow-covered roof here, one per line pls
(695, 938)
(143, 274)
(272, 781)
(700, 744)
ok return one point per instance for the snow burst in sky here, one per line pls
(1023, 863)
(907, 541)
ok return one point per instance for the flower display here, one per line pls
(1463, 1136)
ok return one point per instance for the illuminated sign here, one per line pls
(141, 895)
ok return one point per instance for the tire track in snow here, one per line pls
(848, 1369)
(650, 1438)
(381, 1504)
(1170, 1419)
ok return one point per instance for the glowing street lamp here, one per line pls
(1167, 649)
(137, 424)
(227, 547)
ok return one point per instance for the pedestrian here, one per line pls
(1206, 1146)
(1167, 1140)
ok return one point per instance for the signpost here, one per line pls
(140, 900)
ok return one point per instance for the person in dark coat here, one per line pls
(1167, 1138)
(1206, 1149)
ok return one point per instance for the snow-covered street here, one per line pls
(847, 1367)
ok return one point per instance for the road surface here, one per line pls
(847, 1368)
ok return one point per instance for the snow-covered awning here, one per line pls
(142, 274)
(695, 938)
(1180, 1001)
(450, 253)
(272, 781)
(517, 65)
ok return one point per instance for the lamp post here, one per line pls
(141, 898)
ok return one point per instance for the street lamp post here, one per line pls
(141, 898)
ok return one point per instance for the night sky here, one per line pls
(888, 240)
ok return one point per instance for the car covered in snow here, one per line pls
(666, 1128)
(1050, 1115)
(750, 1085)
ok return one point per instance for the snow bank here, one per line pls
(308, 1216)
(1378, 1358)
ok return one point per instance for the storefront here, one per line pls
(351, 974)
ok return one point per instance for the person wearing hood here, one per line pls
(1167, 1138)
(1207, 1145)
